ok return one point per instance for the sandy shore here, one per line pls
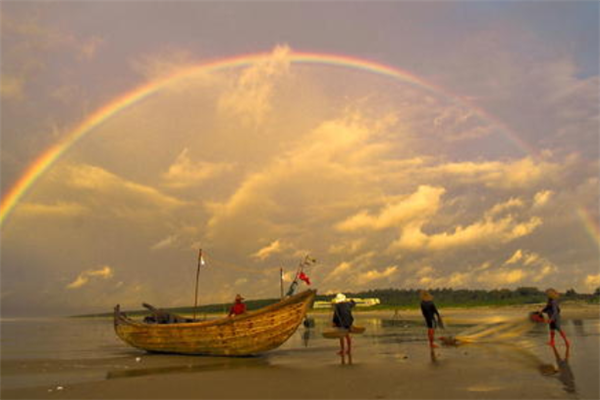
(257, 379)
(386, 364)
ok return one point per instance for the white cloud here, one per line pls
(83, 278)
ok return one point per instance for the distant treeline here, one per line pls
(407, 298)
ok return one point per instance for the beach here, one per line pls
(390, 360)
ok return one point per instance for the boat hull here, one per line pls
(251, 333)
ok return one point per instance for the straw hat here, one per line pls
(339, 298)
(239, 297)
(425, 295)
(552, 293)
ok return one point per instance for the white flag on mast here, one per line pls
(201, 258)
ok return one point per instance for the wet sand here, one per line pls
(387, 362)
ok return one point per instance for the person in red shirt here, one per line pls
(238, 307)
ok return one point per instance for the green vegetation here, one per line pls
(407, 298)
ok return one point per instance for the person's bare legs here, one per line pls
(551, 342)
(341, 352)
(430, 333)
(349, 344)
(567, 343)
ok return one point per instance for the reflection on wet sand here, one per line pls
(433, 356)
(224, 364)
(565, 374)
(346, 359)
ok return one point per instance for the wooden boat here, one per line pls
(250, 333)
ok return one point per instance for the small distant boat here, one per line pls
(251, 333)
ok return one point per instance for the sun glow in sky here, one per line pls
(433, 151)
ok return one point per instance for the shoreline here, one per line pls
(568, 310)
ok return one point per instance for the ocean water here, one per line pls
(65, 351)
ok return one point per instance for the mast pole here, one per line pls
(281, 280)
(197, 279)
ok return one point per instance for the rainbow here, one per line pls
(47, 158)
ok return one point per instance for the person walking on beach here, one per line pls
(429, 313)
(238, 306)
(343, 319)
(553, 311)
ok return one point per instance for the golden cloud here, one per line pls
(420, 205)
(184, 172)
(250, 98)
(60, 209)
(374, 274)
(83, 278)
(267, 251)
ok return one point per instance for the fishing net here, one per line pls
(502, 331)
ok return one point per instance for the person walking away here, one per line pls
(343, 319)
(238, 307)
(553, 310)
(430, 312)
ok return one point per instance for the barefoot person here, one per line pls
(553, 311)
(238, 307)
(429, 313)
(343, 319)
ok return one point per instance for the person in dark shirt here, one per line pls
(343, 319)
(429, 313)
(238, 307)
(553, 311)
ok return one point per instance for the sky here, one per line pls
(401, 144)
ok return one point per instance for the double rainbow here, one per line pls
(48, 157)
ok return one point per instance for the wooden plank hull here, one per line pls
(251, 333)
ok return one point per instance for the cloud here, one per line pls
(83, 278)
(166, 242)
(541, 198)
(516, 174)
(97, 180)
(267, 251)
(485, 232)
(184, 172)
(592, 281)
(510, 204)
(372, 275)
(163, 63)
(250, 98)
(422, 204)
(350, 247)
(11, 87)
(60, 209)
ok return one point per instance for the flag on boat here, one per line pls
(303, 277)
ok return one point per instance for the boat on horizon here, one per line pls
(251, 333)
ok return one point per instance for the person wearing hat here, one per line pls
(553, 311)
(238, 306)
(429, 313)
(343, 319)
